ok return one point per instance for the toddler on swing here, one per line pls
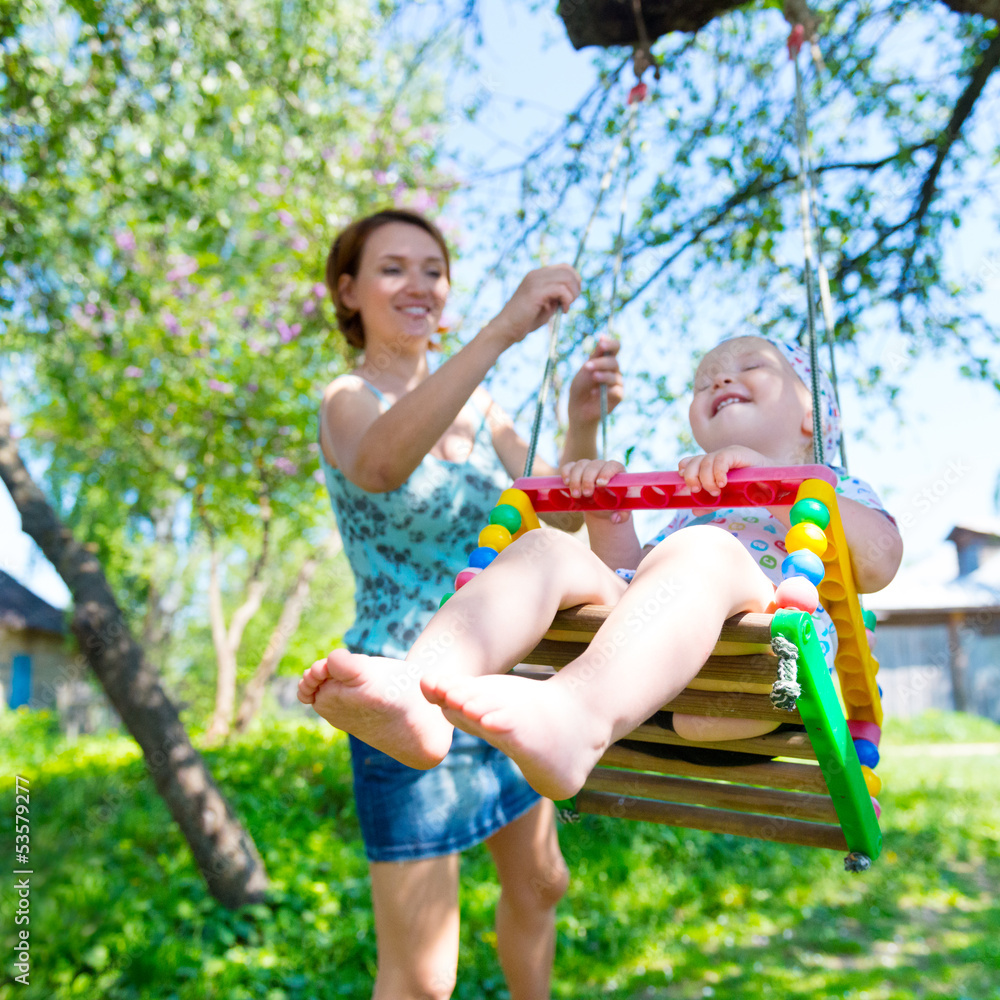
(750, 407)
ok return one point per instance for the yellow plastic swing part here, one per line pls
(855, 664)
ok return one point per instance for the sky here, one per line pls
(935, 461)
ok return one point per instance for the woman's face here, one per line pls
(401, 285)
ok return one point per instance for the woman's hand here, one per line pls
(539, 295)
(582, 478)
(708, 472)
(601, 368)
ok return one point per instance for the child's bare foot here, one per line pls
(378, 700)
(539, 725)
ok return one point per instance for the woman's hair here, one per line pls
(345, 258)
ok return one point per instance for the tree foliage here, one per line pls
(172, 174)
(905, 157)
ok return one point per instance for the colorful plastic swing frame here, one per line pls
(776, 799)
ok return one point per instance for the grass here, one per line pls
(118, 910)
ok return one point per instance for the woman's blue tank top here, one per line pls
(405, 547)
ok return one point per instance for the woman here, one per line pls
(414, 461)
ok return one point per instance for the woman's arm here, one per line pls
(379, 451)
(601, 368)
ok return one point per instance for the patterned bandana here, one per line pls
(798, 358)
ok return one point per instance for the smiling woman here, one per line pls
(414, 461)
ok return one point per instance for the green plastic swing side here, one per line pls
(831, 739)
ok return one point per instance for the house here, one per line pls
(938, 635)
(34, 655)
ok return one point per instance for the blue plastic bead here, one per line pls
(802, 562)
(482, 557)
(867, 753)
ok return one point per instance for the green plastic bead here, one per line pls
(451, 593)
(812, 511)
(868, 617)
(506, 516)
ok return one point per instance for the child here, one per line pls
(750, 408)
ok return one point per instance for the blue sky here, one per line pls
(935, 464)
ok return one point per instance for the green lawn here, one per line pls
(118, 910)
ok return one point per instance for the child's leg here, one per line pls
(497, 618)
(486, 627)
(657, 638)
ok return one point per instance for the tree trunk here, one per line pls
(613, 22)
(222, 849)
(958, 661)
(227, 641)
(288, 622)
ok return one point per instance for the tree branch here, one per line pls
(986, 64)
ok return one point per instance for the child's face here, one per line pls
(745, 393)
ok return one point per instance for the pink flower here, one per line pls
(422, 201)
(309, 307)
(133, 372)
(125, 240)
(170, 322)
(90, 309)
(184, 268)
(285, 217)
(288, 333)
(286, 465)
(252, 387)
(226, 297)
(319, 290)
(216, 386)
(270, 189)
(299, 244)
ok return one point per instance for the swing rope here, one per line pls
(636, 96)
(805, 212)
(612, 307)
(809, 210)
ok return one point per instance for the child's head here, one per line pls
(756, 392)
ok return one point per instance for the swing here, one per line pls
(815, 787)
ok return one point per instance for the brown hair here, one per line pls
(345, 258)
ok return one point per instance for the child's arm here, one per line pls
(872, 537)
(612, 533)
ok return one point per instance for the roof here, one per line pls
(988, 527)
(933, 585)
(21, 609)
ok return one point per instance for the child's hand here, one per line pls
(708, 472)
(585, 476)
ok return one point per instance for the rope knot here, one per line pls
(786, 688)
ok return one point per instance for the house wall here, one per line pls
(915, 675)
(51, 664)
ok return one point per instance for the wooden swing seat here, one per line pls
(786, 800)
(805, 786)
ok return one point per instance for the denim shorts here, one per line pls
(408, 815)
